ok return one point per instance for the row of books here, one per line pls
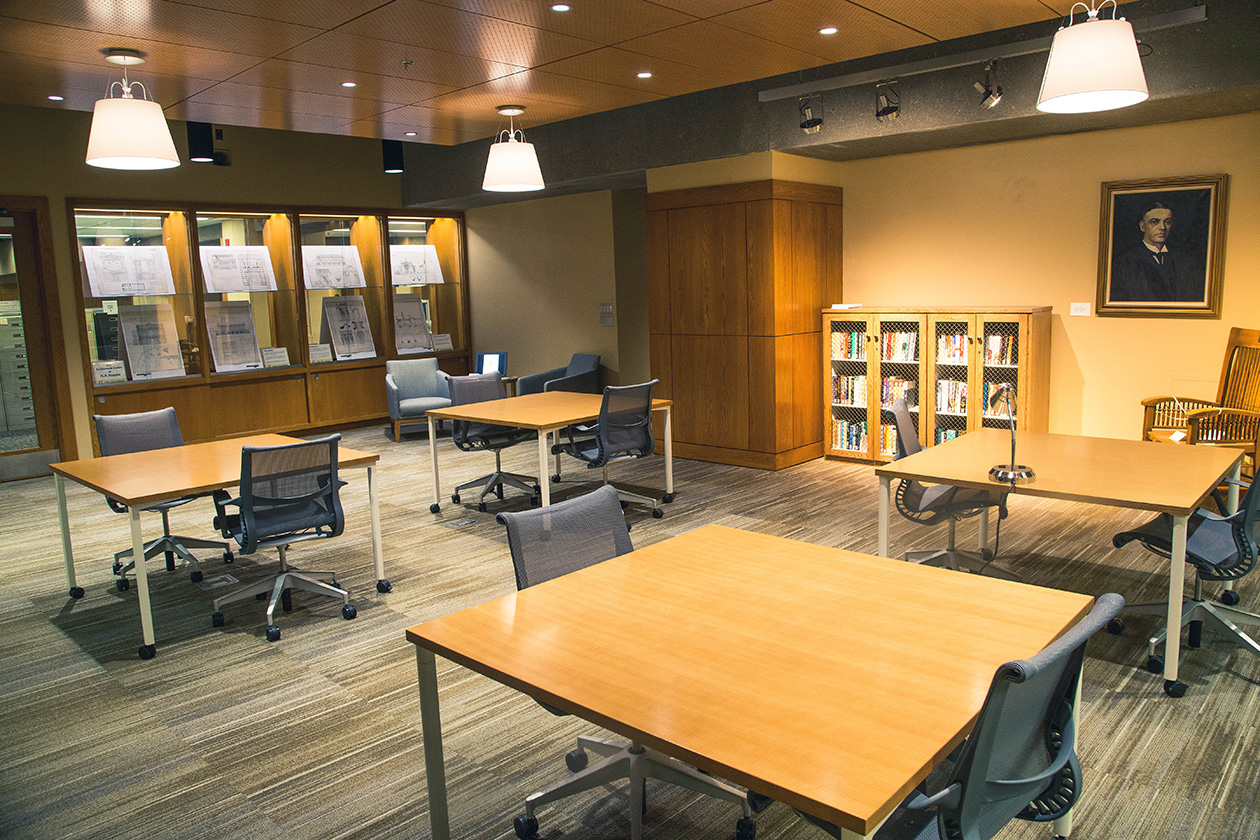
(848, 390)
(1000, 350)
(943, 435)
(899, 346)
(848, 345)
(951, 396)
(888, 440)
(951, 349)
(851, 436)
(895, 388)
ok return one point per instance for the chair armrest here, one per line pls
(1168, 412)
(444, 384)
(391, 396)
(533, 383)
(1188, 402)
(1223, 425)
(1220, 411)
(222, 501)
(584, 383)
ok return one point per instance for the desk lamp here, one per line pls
(1009, 473)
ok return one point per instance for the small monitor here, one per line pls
(492, 362)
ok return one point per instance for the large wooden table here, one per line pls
(142, 478)
(546, 413)
(758, 659)
(1140, 475)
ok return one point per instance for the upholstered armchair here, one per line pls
(412, 387)
(582, 374)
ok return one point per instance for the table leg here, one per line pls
(377, 557)
(669, 452)
(1063, 825)
(437, 487)
(1232, 493)
(148, 649)
(555, 442)
(543, 480)
(885, 504)
(1176, 587)
(431, 727)
(67, 553)
(984, 531)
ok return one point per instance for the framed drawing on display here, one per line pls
(1161, 244)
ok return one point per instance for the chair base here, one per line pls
(175, 546)
(621, 760)
(495, 482)
(1197, 611)
(277, 584)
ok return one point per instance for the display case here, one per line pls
(427, 281)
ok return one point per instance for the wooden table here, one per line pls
(137, 479)
(757, 659)
(1139, 475)
(547, 413)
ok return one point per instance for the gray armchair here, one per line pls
(412, 387)
(581, 374)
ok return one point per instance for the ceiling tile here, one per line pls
(614, 66)
(957, 19)
(795, 23)
(220, 114)
(385, 58)
(318, 78)
(424, 134)
(738, 56)
(29, 80)
(707, 8)
(324, 14)
(344, 108)
(600, 21)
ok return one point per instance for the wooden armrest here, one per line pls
(1220, 411)
(1188, 402)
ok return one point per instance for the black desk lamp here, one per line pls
(1009, 473)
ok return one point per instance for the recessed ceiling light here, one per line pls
(644, 75)
(55, 98)
(828, 30)
(560, 7)
(349, 84)
(409, 134)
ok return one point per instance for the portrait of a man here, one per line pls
(1150, 270)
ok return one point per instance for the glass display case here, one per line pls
(426, 276)
(343, 274)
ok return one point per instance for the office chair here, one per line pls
(119, 434)
(1221, 548)
(581, 374)
(1019, 762)
(929, 505)
(553, 541)
(624, 430)
(470, 436)
(412, 387)
(288, 494)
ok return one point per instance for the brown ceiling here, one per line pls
(438, 67)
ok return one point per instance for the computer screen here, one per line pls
(490, 362)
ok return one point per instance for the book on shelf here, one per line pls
(943, 435)
(900, 346)
(951, 349)
(848, 344)
(951, 396)
(1000, 350)
(850, 435)
(895, 388)
(888, 440)
(849, 390)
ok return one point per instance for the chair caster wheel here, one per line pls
(122, 584)
(76, 592)
(286, 600)
(455, 499)
(555, 477)
(1229, 598)
(1115, 627)
(1155, 664)
(118, 567)
(624, 504)
(481, 507)
(657, 513)
(576, 760)
(435, 508)
(745, 829)
(526, 828)
(1174, 688)
(195, 576)
(273, 633)
(384, 586)
(147, 652)
(261, 596)
(667, 498)
(349, 611)
(758, 801)
(216, 619)
(537, 489)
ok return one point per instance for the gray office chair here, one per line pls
(553, 541)
(624, 430)
(932, 504)
(470, 437)
(412, 387)
(119, 434)
(288, 494)
(1220, 548)
(1019, 762)
(581, 374)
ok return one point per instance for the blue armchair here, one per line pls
(412, 387)
(582, 375)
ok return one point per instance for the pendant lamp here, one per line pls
(129, 133)
(513, 163)
(1094, 66)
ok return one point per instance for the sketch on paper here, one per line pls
(414, 265)
(411, 330)
(128, 270)
(233, 344)
(345, 325)
(332, 267)
(237, 268)
(149, 341)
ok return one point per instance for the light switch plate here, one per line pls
(606, 315)
(1080, 309)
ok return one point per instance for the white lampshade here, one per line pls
(130, 134)
(1093, 66)
(512, 167)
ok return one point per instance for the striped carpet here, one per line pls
(318, 735)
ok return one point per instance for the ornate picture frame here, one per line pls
(1160, 247)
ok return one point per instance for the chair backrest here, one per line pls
(491, 362)
(570, 535)
(907, 434)
(474, 388)
(1221, 554)
(417, 378)
(1022, 749)
(119, 434)
(1240, 375)
(625, 422)
(582, 363)
(290, 493)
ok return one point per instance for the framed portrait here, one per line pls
(1161, 243)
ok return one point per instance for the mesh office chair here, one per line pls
(288, 494)
(470, 437)
(929, 505)
(1019, 762)
(553, 541)
(624, 430)
(1220, 548)
(119, 434)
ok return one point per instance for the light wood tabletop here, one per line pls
(760, 659)
(546, 410)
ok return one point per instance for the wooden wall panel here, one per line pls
(801, 352)
(708, 271)
(710, 390)
(806, 255)
(658, 274)
(347, 394)
(832, 281)
(769, 395)
(763, 263)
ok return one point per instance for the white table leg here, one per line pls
(885, 505)
(543, 480)
(669, 451)
(431, 728)
(67, 553)
(377, 557)
(1176, 588)
(1231, 502)
(1063, 825)
(983, 521)
(142, 584)
(437, 487)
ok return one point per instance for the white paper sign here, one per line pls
(104, 373)
(332, 267)
(233, 268)
(442, 341)
(128, 270)
(233, 345)
(411, 331)
(276, 357)
(150, 342)
(319, 353)
(414, 265)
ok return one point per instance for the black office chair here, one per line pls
(1220, 548)
(624, 430)
(288, 494)
(119, 434)
(1019, 762)
(932, 504)
(470, 437)
(553, 541)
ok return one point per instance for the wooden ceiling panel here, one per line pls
(344, 108)
(738, 56)
(601, 21)
(615, 66)
(324, 14)
(469, 123)
(451, 30)
(33, 79)
(707, 8)
(942, 21)
(259, 118)
(424, 134)
(319, 78)
(385, 58)
(795, 23)
(549, 97)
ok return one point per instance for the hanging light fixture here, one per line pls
(129, 133)
(513, 163)
(1093, 66)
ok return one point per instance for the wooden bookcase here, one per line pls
(943, 361)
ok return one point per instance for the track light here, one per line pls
(990, 90)
(392, 155)
(810, 124)
(887, 102)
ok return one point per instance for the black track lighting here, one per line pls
(990, 90)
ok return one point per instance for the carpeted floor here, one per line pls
(318, 735)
